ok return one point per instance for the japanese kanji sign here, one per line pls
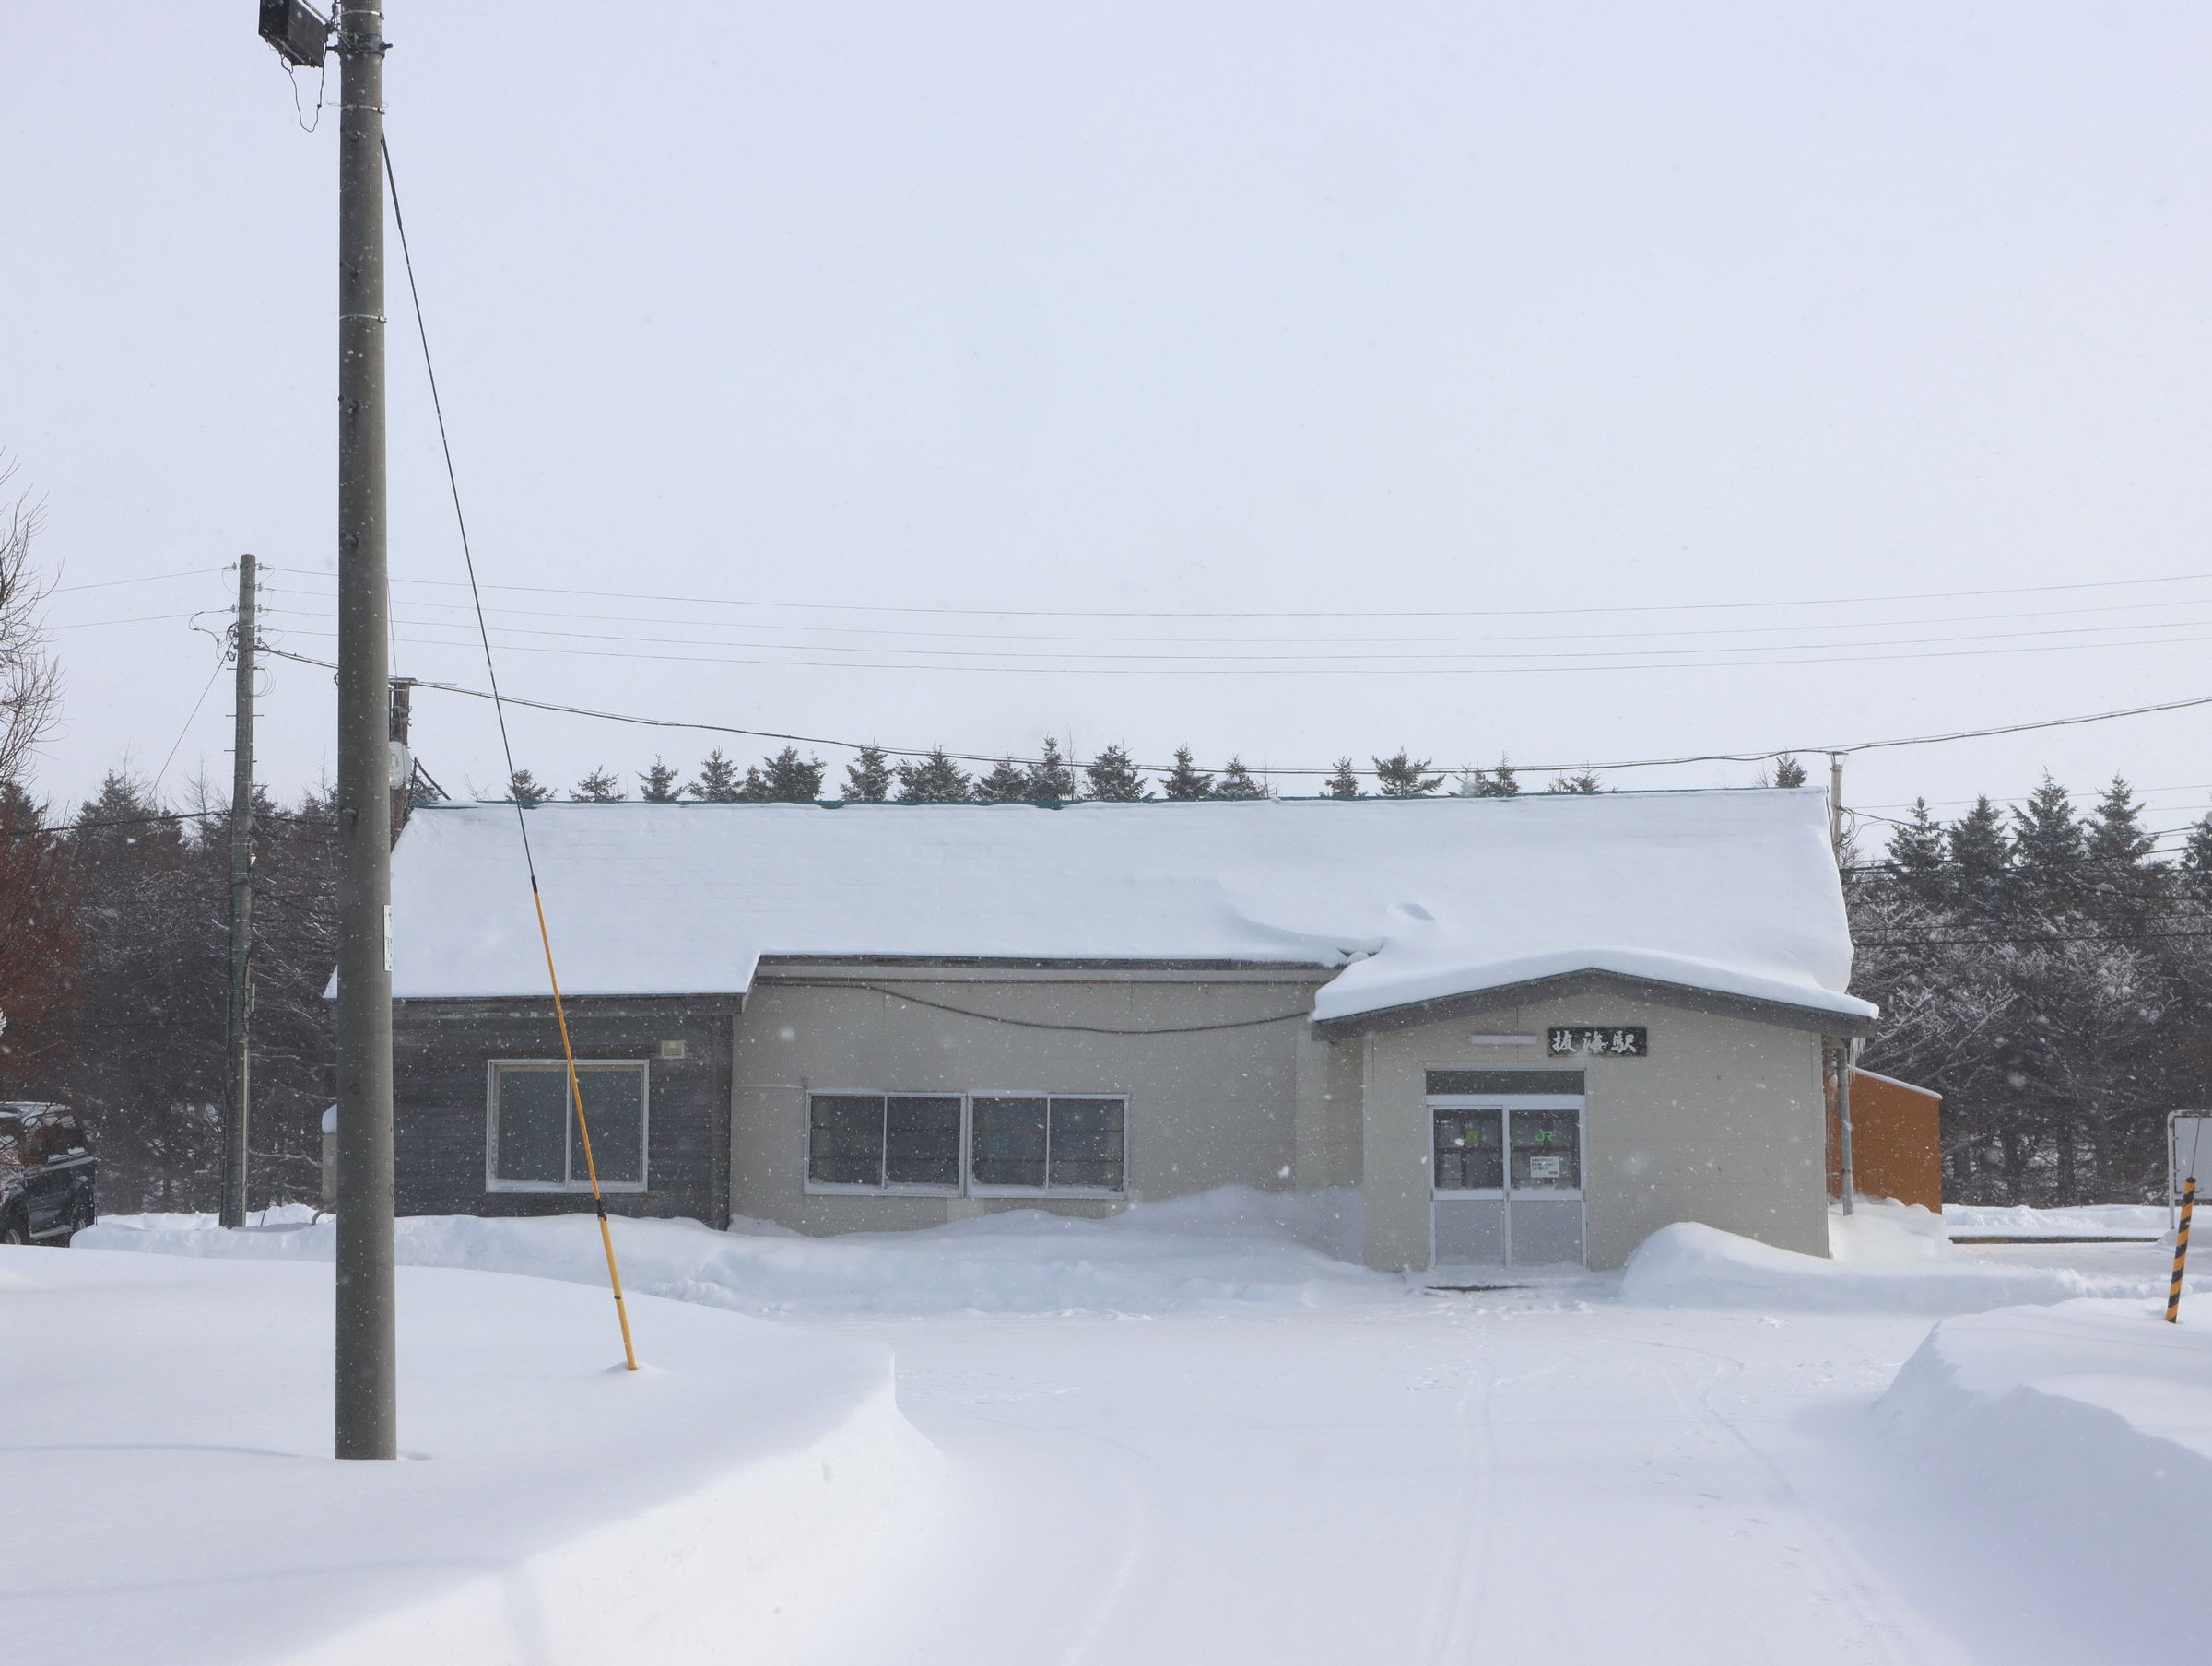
(1617, 1040)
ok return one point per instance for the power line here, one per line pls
(220, 661)
(1304, 668)
(1401, 613)
(1397, 654)
(984, 757)
(152, 817)
(143, 618)
(189, 572)
(1334, 638)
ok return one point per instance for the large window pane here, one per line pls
(922, 1141)
(845, 1140)
(1470, 1150)
(1546, 1150)
(531, 1114)
(1009, 1136)
(614, 1108)
(1086, 1144)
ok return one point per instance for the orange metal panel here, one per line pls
(1895, 1140)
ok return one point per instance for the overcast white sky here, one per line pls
(1452, 313)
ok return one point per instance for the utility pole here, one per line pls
(368, 1421)
(241, 904)
(1835, 804)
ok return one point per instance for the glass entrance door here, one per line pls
(1506, 1180)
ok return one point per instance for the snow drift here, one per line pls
(2087, 1430)
(169, 1437)
(1687, 1265)
(1233, 1247)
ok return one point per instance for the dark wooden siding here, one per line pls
(441, 1050)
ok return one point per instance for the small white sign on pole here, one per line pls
(2188, 1138)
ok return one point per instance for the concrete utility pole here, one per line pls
(241, 904)
(1835, 804)
(368, 1421)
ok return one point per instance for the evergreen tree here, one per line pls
(2196, 855)
(1584, 781)
(933, 779)
(1916, 851)
(868, 777)
(1787, 773)
(718, 782)
(1007, 782)
(1979, 850)
(1345, 784)
(788, 779)
(1052, 777)
(1501, 782)
(1237, 782)
(524, 787)
(600, 787)
(1186, 781)
(657, 785)
(2047, 839)
(1402, 776)
(2117, 842)
(41, 944)
(1113, 779)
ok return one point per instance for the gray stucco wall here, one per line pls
(1206, 1107)
(1722, 1123)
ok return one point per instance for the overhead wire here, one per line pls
(568, 1048)
(1305, 667)
(1614, 765)
(1395, 641)
(1401, 613)
(1397, 652)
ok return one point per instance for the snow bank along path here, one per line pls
(1230, 1247)
(171, 1495)
(2090, 1424)
(1687, 1265)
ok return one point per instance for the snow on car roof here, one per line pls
(1733, 890)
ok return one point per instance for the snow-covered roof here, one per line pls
(1733, 891)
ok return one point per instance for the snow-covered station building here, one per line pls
(1519, 1030)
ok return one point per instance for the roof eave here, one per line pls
(1594, 980)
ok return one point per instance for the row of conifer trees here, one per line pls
(936, 777)
(2047, 969)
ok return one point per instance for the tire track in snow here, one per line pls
(1465, 1592)
(1845, 1577)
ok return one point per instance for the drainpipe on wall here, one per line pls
(1843, 1053)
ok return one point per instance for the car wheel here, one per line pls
(13, 1231)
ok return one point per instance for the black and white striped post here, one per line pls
(2181, 1252)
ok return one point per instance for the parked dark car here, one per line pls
(45, 1174)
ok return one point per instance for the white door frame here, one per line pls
(1503, 1195)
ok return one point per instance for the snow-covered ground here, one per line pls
(1186, 1437)
(2096, 1220)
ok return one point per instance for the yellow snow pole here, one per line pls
(591, 1167)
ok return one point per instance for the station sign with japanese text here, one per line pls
(1613, 1040)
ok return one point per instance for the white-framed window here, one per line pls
(883, 1142)
(1011, 1144)
(531, 1142)
(1047, 1143)
(1498, 1145)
